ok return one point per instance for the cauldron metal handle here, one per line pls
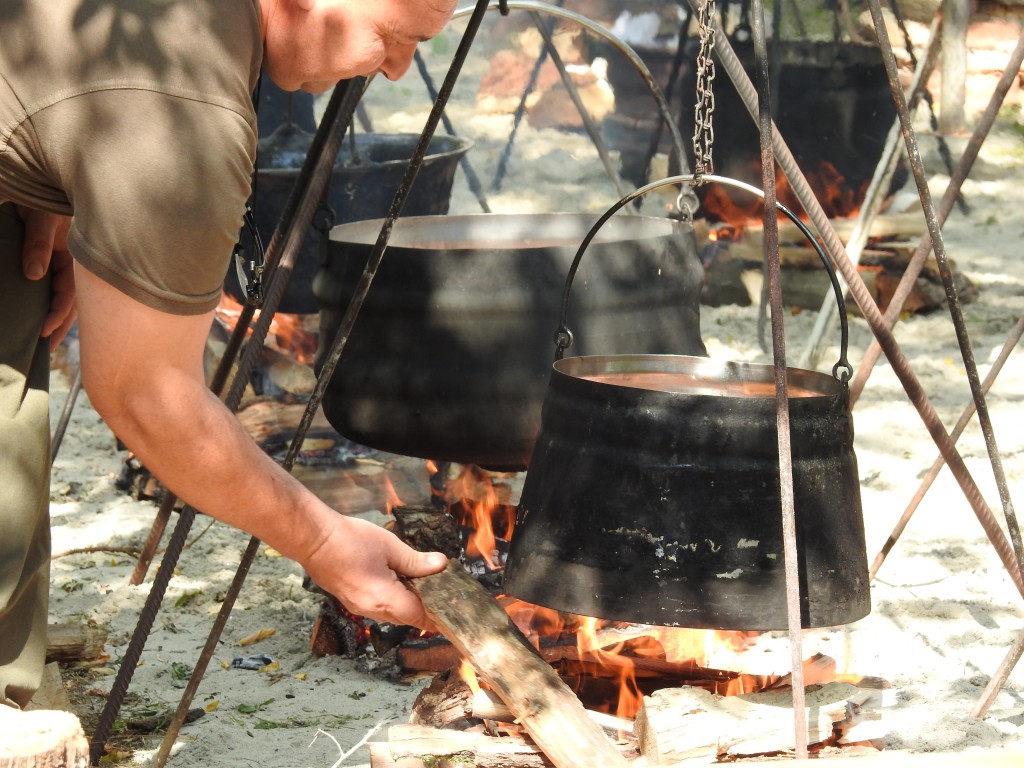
(842, 370)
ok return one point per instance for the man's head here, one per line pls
(312, 44)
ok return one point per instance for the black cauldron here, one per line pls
(450, 354)
(366, 175)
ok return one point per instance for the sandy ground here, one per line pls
(944, 611)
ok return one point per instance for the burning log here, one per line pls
(551, 714)
(448, 702)
(677, 724)
(427, 529)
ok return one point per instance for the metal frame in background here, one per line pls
(882, 332)
(295, 220)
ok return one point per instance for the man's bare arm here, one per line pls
(143, 371)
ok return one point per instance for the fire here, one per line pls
(482, 508)
(467, 673)
(612, 665)
(838, 197)
(391, 499)
(630, 698)
(290, 333)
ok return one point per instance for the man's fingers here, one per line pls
(41, 233)
(412, 563)
(57, 334)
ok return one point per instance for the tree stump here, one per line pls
(43, 737)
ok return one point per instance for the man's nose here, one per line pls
(398, 60)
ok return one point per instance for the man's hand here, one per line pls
(359, 563)
(46, 248)
(143, 370)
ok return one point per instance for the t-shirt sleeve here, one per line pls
(158, 192)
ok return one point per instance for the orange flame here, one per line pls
(290, 332)
(624, 661)
(611, 659)
(391, 499)
(482, 507)
(837, 196)
(468, 674)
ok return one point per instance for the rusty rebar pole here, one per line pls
(65, 414)
(592, 129)
(939, 463)
(1000, 677)
(338, 120)
(472, 179)
(949, 283)
(774, 269)
(875, 194)
(959, 176)
(859, 291)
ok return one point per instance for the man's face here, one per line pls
(312, 44)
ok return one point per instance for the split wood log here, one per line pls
(446, 703)
(44, 737)
(1008, 758)
(427, 528)
(74, 642)
(487, 706)
(51, 693)
(541, 702)
(680, 723)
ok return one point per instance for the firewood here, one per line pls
(49, 738)
(74, 642)
(486, 706)
(680, 723)
(541, 702)
(990, 758)
(432, 653)
(446, 703)
(427, 528)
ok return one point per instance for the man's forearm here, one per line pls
(197, 448)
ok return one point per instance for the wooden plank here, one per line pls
(688, 722)
(502, 657)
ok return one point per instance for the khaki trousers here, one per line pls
(24, 470)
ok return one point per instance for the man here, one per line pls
(136, 119)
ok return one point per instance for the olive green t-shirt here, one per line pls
(136, 117)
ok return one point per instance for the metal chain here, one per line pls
(704, 110)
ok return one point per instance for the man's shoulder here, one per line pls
(204, 48)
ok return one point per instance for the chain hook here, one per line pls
(704, 109)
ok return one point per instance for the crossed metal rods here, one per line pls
(880, 326)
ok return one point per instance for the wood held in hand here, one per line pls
(544, 705)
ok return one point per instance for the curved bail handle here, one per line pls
(563, 338)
